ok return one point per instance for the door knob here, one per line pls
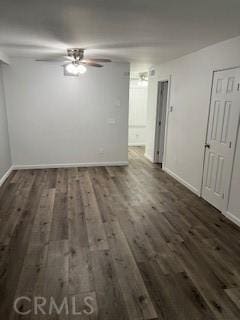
(207, 145)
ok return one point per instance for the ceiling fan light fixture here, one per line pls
(81, 69)
(71, 68)
(75, 69)
(74, 62)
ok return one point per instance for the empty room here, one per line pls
(120, 160)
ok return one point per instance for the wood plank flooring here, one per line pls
(135, 242)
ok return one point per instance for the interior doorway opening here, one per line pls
(161, 120)
(138, 93)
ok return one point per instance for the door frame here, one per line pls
(167, 79)
(226, 198)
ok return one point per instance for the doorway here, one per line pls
(162, 97)
(138, 93)
(221, 137)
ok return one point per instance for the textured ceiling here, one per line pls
(149, 31)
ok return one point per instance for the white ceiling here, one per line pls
(149, 31)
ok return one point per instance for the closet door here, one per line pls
(221, 136)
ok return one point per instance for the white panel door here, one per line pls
(163, 120)
(221, 136)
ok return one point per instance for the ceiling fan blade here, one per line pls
(47, 60)
(97, 60)
(91, 63)
(69, 58)
(57, 59)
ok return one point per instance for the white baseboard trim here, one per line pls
(182, 181)
(227, 214)
(69, 165)
(148, 157)
(232, 217)
(140, 144)
(6, 175)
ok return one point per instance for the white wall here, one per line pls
(190, 95)
(234, 200)
(137, 114)
(5, 157)
(55, 120)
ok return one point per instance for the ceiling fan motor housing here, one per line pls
(76, 53)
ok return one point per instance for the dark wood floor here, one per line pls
(131, 238)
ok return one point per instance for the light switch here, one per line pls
(118, 103)
(101, 151)
(111, 121)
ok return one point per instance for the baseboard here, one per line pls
(232, 217)
(70, 165)
(140, 144)
(6, 175)
(182, 181)
(227, 214)
(148, 157)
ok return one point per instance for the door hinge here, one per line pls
(223, 195)
(238, 87)
(230, 144)
(158, 152)
(159, 123)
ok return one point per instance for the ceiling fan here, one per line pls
(75, 62)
